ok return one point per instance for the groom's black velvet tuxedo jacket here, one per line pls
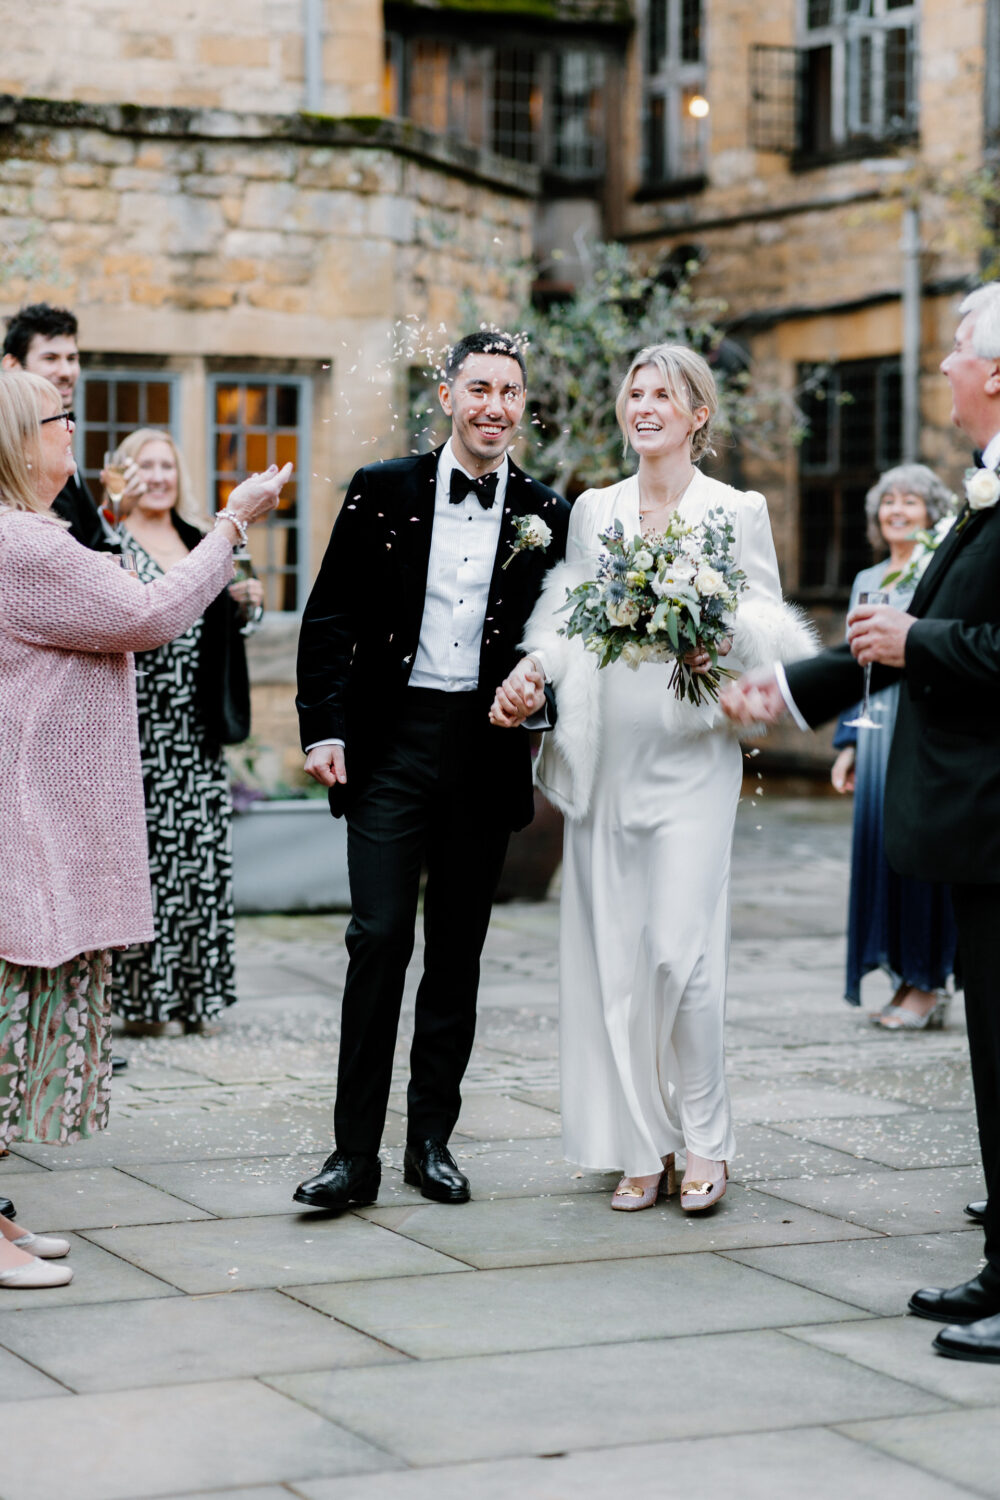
(361, 626)
(942, 795)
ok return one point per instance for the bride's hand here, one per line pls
(699, 660)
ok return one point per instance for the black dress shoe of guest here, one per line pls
(430, 1166)
(7, 1209)
(962, 1304)
(343, 1180)
(976, 1211)
(119, 1064)
(979, 1341)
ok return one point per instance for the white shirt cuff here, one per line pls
(785, 691)
(316, 744)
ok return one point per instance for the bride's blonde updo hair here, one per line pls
(688, 381)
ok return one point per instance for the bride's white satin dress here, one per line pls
(644, 934)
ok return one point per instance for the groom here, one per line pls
(413, 621)
(942, 795)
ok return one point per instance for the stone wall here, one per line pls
(203, 54)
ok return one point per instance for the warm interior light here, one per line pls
(698, 106)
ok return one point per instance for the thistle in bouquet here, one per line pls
(663, 598)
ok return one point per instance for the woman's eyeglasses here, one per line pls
(68, 417)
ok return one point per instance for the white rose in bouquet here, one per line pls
(982, 488)
(709, 581)
(624, 612)
(674, 576)
(644, 559)
(633, 654)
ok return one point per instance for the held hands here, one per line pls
(258, 495)
(877, 633)
(755, 699)
(326, 764)
(519, 695)
(842, 771)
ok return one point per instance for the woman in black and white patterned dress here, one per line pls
(193, 697)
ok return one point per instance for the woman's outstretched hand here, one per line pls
(258, 495)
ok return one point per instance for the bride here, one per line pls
(649, 786)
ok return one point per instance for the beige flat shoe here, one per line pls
(37, 1273)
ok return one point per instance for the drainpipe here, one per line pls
(910, 246)
(312, 28)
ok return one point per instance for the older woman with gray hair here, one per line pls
(902, 926)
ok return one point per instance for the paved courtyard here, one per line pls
(531, 1344)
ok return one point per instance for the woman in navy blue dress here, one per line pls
(904, 927)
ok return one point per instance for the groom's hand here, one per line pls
(755, 699)
(877, 633)
(519, 695)
(326, 764)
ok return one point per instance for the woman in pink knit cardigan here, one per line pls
(72, 825)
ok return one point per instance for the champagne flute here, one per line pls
(115, 483)
(252, 613)
(865, 720)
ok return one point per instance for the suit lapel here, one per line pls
(942, 560)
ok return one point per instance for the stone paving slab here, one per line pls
(542, 1307)
(940, 1083)
(891, 1202)
(798, 1100)
(493, 1117)
(97, 1277)
(222, 1255)
(764, 1152)
(927, 1139)
(520, 1232)
(879, 1274)
(901, 1347)
(961, 1446)
(272, 1128)
(90, 1199)
(179, 1341)
(21, 1381)
(127, 1445)
(553, 1400)
(812, 1462)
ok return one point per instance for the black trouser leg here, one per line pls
(464, 860)
(385, 838)
(977, 912)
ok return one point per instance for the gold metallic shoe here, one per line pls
(697, 1196)
(629, 1196)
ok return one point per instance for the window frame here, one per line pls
(844, 34)
(107, 376)
(675, 79)
(304, 385)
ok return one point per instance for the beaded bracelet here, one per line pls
(241, 526)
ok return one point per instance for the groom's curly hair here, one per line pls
(484, 341)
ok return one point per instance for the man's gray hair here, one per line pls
(984, 303)
(908, 479)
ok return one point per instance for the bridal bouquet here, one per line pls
(659, 598)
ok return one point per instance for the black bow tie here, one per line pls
(484, 489)
(977, 457)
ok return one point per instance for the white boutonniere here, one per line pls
(982, 488)
(532, 532)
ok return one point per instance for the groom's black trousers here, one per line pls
(424, 805)
(977, 914)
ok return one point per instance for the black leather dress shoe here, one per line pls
(7, 1209)
(976, 1211)
(343, 1180)
(430, 1166)
(962, 1304)
(119, 1064)
(971, 1341)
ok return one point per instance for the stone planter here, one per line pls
(290, 856)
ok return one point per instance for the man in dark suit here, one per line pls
(415, 618)
(42, 340)
(942, 796)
